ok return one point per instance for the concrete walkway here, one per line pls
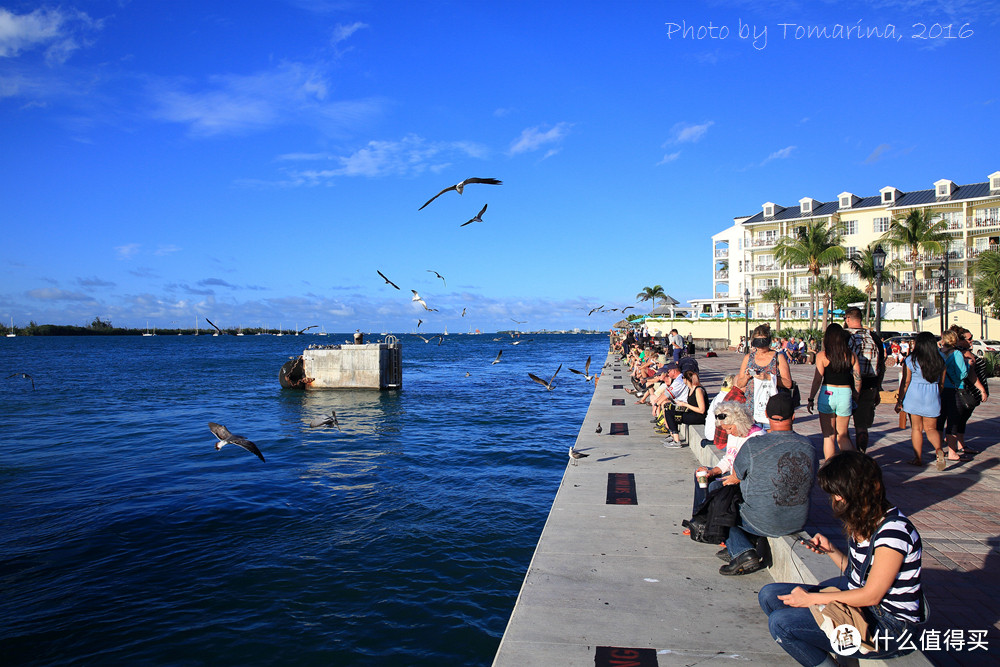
(619, 584)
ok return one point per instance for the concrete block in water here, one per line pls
(367, 366)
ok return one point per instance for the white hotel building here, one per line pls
(743, 255)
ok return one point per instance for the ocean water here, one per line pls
(126, 538)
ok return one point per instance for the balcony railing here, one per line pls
(722, 275)
(985, 221)
(766, 267)
(722, 295)
(722, 252)
(764, 241)
(931, 285)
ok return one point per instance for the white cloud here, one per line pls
(53, 294)
(127, 251)
(60, 32)
(408, 156)
(534, 138)
(342, 32)
(669, 157)
(236, 103)
(687, 133)
(166, 249)
(876, 154)
(782, 154)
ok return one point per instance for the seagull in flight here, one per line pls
(419, 322)
(458, 187)
(478, 218)
(463, 312)
(213, 325)
(594, 310)
(497, 360)
(586, 371)
(387, 281)
(626, 308)
(25, 376)
(327, 420)
(416, 297)
(549, 386)
(439, 276)
(307, 328)
(575, 455)
(226, 438)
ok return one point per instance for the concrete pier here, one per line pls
(366, 366)
(613, 583)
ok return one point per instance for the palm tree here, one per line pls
(917, 231)
(655, 292)
(815, 246)
(986, 284)
(776, 295)
(827, 286)
(862, 264)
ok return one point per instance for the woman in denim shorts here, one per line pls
(838, 381)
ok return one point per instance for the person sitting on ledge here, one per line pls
(775, 473)
(689, 411)
(734, 420)
(883, 585)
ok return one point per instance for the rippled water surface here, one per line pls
(127, 538)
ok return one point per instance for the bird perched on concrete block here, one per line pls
(575, 455)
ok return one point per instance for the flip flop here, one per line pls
(941, 462)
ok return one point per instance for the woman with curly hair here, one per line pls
(920, 396)
(882, 569)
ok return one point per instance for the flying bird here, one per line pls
(478, 218)
(586, 371)
(467, 374)
(518, 342)
(549, 386)
(307, 328)
(439, 276)
(575, 455)
(25, 376)
(497, 360)
(594, 310)
(426, 340)
(327, 420)
(463, 312)
(416, 297)
(213, 325)
(598, 429)
(226, 438)
(461, 186)
(626, 308)
(419, 322)
(518, 322)
(387, 281)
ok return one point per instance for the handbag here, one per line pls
(967, 399)
(763, 390)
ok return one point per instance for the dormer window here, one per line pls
(807, 205)
(889, 195)
(995, 181)
(846, 200)
(944, 188)
(769, 210)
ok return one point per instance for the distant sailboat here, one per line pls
(12, 334)
(147, 330)
(280, 327)
(240, 332)
(446, 330)
(322, 333)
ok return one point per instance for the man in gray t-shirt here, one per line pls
(776, 473)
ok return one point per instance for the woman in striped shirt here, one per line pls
(884, 584)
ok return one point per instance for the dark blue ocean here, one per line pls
(126, 538)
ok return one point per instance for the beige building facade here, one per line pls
(744, 254)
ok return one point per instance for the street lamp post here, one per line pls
(947, 287)
(746, 318)
(878, 259)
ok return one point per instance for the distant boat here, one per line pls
(446, 330)
(240, 332)
(321, 333)
(280, 326)
(12, 334)
(147, 330)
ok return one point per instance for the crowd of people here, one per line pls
(761, 486)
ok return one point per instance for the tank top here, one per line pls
(839, 378)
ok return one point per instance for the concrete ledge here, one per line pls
(798, 564)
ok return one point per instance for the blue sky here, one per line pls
(257, 162)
